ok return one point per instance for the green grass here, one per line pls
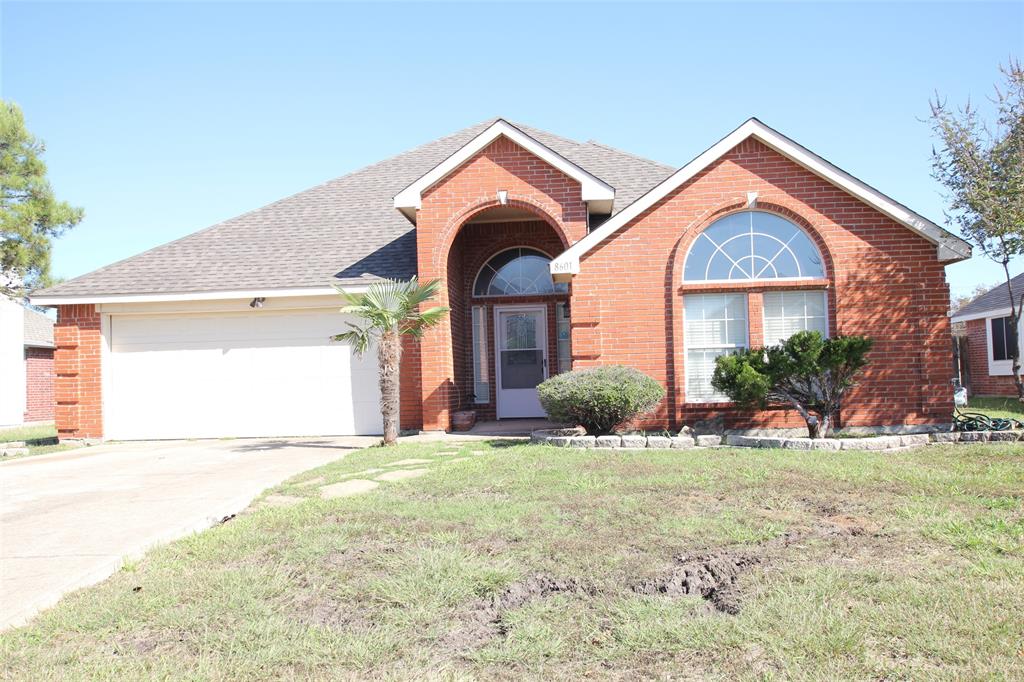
(40, 439)
(899, 565)
(1006, 408)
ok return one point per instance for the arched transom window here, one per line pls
(516, 272)
(752, 245)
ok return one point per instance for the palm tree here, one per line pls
(389, 309)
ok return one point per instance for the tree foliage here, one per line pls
(388, 310)
(981, 166)
(30, 214)
(808, 371)
(599, 398)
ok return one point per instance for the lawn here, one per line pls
(40, 439)
(1006, 408)
(526, 561)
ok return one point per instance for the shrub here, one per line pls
(809, 372)
(599, 398)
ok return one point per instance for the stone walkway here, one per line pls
(364, 481)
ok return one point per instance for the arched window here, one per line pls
(752, 245)
(516, 272)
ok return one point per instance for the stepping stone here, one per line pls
(478, 452)
(448, 453)
(402, 474)
(313, 481)
(364, 472)
(457, 459)
(348, 488)
(407, 462)
(280, 500)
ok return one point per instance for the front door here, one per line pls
(521, 360)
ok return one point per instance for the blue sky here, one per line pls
(161, 119)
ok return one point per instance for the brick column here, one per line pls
(78, 380)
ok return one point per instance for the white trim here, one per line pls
(1000, 368)
(984, 315)
(949, 246)
(595, 191)
(193, 296)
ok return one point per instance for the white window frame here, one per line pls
(764, 308)
(687, 347)
(1000, 368)
(494, 255)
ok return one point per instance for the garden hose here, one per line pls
(976, 421)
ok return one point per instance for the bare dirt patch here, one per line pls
(711, 576)
(485, 620)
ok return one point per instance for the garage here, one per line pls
(259, 373)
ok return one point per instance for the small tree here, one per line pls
(389, 310)
(983, 172)
(30, 215)
(809, 372)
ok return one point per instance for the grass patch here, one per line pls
(528, 561)
(1005, 408)
(40, 439)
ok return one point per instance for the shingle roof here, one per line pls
(996, 298)
(38, 329)
(345, 230)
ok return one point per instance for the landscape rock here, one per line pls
(683, 442)
(634, 441)
(945, 437)
(584, 441)
(974, 437)
(609, 441)
(826, 444)
(709, 441)
(798, 443)
(1004, 436)
(914, 439)
(560, 441)
(660, 442)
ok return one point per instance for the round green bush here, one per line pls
(599, 398)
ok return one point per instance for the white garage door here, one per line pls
(251, 374)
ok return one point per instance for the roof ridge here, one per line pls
(631, 155)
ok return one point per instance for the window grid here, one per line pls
(714, 325)
(788, 312)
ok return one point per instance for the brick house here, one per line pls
(990, 342)
(26, 365)
(554, 254)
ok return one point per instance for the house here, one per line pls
(26, 365)
(555, 254)
(990, 343)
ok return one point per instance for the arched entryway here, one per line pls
(509, 322)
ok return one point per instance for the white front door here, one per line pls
(521, 360)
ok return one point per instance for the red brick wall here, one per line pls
(883, 280)
(977, 357)
(39, 405)
(78, 384)
(532, 185)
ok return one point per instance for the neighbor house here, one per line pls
(555, 255)
(26, 365)
(990, 342)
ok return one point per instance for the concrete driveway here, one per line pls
(68, 519)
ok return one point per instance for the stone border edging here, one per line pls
(566, 438)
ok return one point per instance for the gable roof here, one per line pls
(38, 329)
(595, 192)
(993, 303)
(950, 247)
(344, 231)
